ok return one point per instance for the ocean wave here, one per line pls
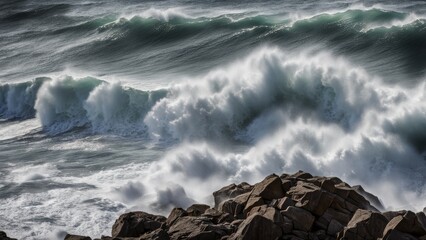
(17, 100)
(67, 103)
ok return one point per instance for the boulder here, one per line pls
(189, 227)
(270, 188)
(197, 209)
(374, 200)
(135, 224)
(257, 227)
(75, 237)
(253, 202)
(302, 219)
(268, 212)
(230, 191)
(282, 203)
(159, 234)
(311, 197)
(407, 223)
(175, 214)
(365, 224)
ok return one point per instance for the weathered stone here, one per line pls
(257, 227)
(311, 197)
(230, 191)
(302, 219)
(197, 209)
(253, 202)
(374, 200)
(159, 234)
(283, 203)
(391, 214)
(330, 214)
(231, 207)
(301, 175)
(408, 223)
(175, 214)
(286, 185)
(134, 224)
(184, 226)
(365, 224)
(270, 188)
(268, 212)
(74, 237)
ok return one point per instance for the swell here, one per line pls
(388, 42)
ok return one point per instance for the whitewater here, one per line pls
(110, 107)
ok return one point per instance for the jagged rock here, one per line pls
(268, 212)
(311, 197)
(230, 191)
(365, 225)
(270, 188)
(302, 219)
(296, 207)
(231, 207)
(158, 234)
(301, 175)
(135, 224)
(3, 236)
(253, 202)
(197, 209)
(75, 237)
(175, 214)
(374, 200)
(408, 223)
(196, 228)
(282, 203)
(257, 227)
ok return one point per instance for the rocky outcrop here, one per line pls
(297, 206)
(3, 236)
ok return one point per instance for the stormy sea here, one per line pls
(112, 106)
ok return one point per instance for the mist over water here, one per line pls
(109, 107)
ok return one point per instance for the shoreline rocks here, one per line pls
(294, 207)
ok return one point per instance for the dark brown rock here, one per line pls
(374, 200)
(76, 237)
(135, 224)
(302, 219)
(270, 188)
(230, 191)
(397, 235)
(408, 223)
(253, 202)
(197, 209)
(159, 234)
(3, 236)
(175, 214)
(257, 227)
(365, 224)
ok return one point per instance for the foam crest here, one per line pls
(67, 103)
(227, 101)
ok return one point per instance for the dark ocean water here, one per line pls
(111, 106)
